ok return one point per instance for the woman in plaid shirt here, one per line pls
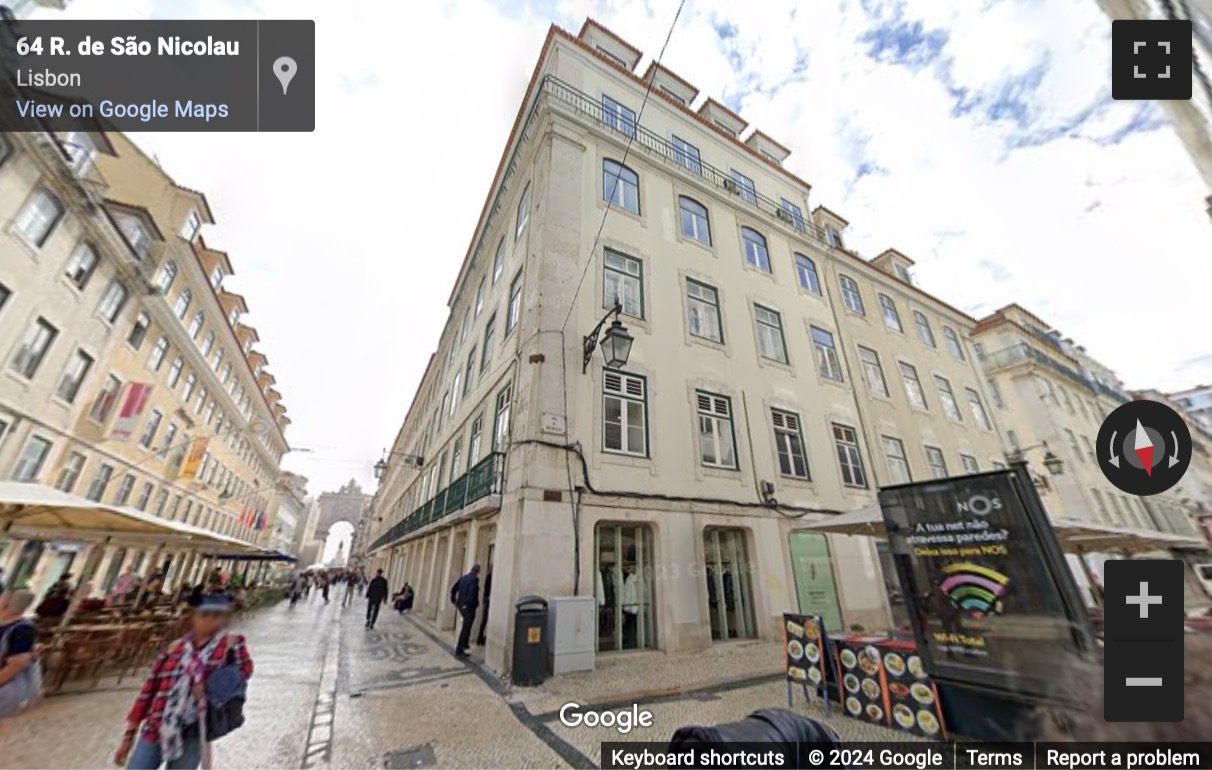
(171, 706)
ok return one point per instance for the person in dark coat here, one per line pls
(376, 594)
(465, 595)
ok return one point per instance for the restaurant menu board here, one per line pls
(863, 683)
(980, 581)
(912, 698)
(806, 648)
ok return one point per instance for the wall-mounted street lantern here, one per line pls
(615, 342)
(381, 466)
(1054, 464)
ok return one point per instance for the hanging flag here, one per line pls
(133, 401)
(193, 457)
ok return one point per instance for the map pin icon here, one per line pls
(285, 68)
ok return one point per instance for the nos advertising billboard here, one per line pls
(990, 596)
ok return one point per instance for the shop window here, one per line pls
(729, 588)
(623, 583)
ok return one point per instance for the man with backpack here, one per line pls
(20, 671)
(193, 695)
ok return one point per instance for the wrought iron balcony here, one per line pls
(1023, 353)
(483, 479)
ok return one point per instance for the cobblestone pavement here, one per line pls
(329, 693)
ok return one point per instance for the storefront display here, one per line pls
(623, 585)
(729, 591)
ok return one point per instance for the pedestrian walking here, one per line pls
(376, 595)
(324, 586)
(465, 595)
(351, 585)
(296, 589)
(20, 670)
(178, 710)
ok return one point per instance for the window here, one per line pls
(703, 311)
(892, 319)
(195, 325)
(827, 363)
(978, 409)
(188, 390)
(849, 460)
(500, 428)
(947, 397)
(223, 378)
(805, 271)
(687, 155)
(998, 465)
(498, 262)
(77, 369)
(216, 276)
(850, 295)
(833, 238)
(620, 186)
(38, 218)
(953, 342)
(170, 435)
(182, 304)
(207, 343)
(151, 428)
(996, 393)
(156, 359)
(456, 459)
(161, 500)
(1012, 437)
(667, 92)
(80, 267)
(33, 456)
(898, 462)
(936, 462)
(69, 474)
(490, 330)
(924, 332)
(219, 362)
(623, 282)
(1089, 449)
(455, 390)
(473, 445)
(168, 274)
(1074, 447)
(470, 373)
(174, 371)
(191, 225)
(37, 341)
(480, 296)
(793, 213)
(105, 399)
(970, 464)
(234, 318)
(621, 551)
(717, 447)
(770, 334)
(755, 249)
(145, 496)
(913, 386)
(523, 212)
(873, 372)
(1068, 401)
(135, 232)
(113, 301)
(744, 186)
(80, 149)
(96, 487)
(624, 413)
(694, 220)
(617, 116)
(5, 293)
(789, 444)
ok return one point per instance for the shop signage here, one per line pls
(990, 598)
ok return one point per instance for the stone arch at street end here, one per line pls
(346, 504)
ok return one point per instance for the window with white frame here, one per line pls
(970, 464)
(687, 155)
(794, 213)
(850, 295)
(122, 496)
(469, 373)
(81, 265)
(996, 393)
(717, 445)
(208, 343)
(873, 372)
(174, 371)
(138, 332)
(33, 348)
(623, 282)
(924, 332)
(624, 413)
(978, 409)
(33, 457)
(789, 444)
(135, 231)
(81, 149)
(156, 357)
(523, 212)
(771, 344)
(849, 459)
(947, 398)
(744, 186)
(191, 225)
(113, 301)
(913, 386)
(892, 319)
(1074, 447)
(195, 324)
(514, 311)
(498, 261)
(703, 311)
(151, 428)
(106, 398)
(805, 273)
(936, 462)
(755, 249)
(694, 220)
(620, 186)
(500, 427)
(456, 390)
(170, 435)
(617, 116)
(38, 218)
(145, 496)
(827, 362)
(96, 487)
(69, 473)
(473, 444)
(953, 343)
(181, 306)
(833, 237)
(898, 461)
(216, 276)
(480, 296)
(78, 367)
(490, 331)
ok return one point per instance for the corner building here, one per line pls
(776, 378)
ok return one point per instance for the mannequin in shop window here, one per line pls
(633, 595)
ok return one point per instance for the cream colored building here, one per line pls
(121, 349)
(775, 378)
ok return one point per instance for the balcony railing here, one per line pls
(656, 145)
(1023, 353)
(483, 479)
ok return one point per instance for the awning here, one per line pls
(263, 555)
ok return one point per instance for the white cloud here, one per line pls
(346, 241)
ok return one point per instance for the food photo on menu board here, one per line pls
(912, 698)
(805, 648)
(862, 681)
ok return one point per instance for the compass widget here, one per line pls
(1144, 447)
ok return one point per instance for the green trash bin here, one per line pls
(529, 641)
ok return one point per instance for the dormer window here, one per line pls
(833, 237)
(612, 57)
(191, 225)
(80, 150)
(234, 318)
(726, 129)
(216, 277)
(136, 232)
(673, 96)
(248, 346)
(902, 272)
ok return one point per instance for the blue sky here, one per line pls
(976, 136)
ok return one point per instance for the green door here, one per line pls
(814, 583)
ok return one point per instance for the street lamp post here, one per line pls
(615, 343)
(381, 466)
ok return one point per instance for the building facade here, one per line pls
(291, 514)
(128, 377)
(1196, 404)
(776, 377)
